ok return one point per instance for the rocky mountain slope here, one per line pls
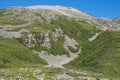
(58, 43)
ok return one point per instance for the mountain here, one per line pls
(58, 43)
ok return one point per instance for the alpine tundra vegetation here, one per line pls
(58, 43)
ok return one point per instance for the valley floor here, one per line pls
(48, 73)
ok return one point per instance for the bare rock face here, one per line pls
(117, 20)
(42, 38)
(106, 22)
(37, 39)
(52, 12)
(6, 30)
(20, 13)
(57, 33)
(29, 40)
(12, 27)
(70, 42)
(49, 13)
(7, 34)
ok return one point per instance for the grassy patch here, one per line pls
(15, 54)
(57, 47)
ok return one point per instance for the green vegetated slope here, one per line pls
(7, 17)
(101, 55)
(15, 54)
(78, 29)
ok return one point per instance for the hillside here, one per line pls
(55, 39)
(100, 55)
